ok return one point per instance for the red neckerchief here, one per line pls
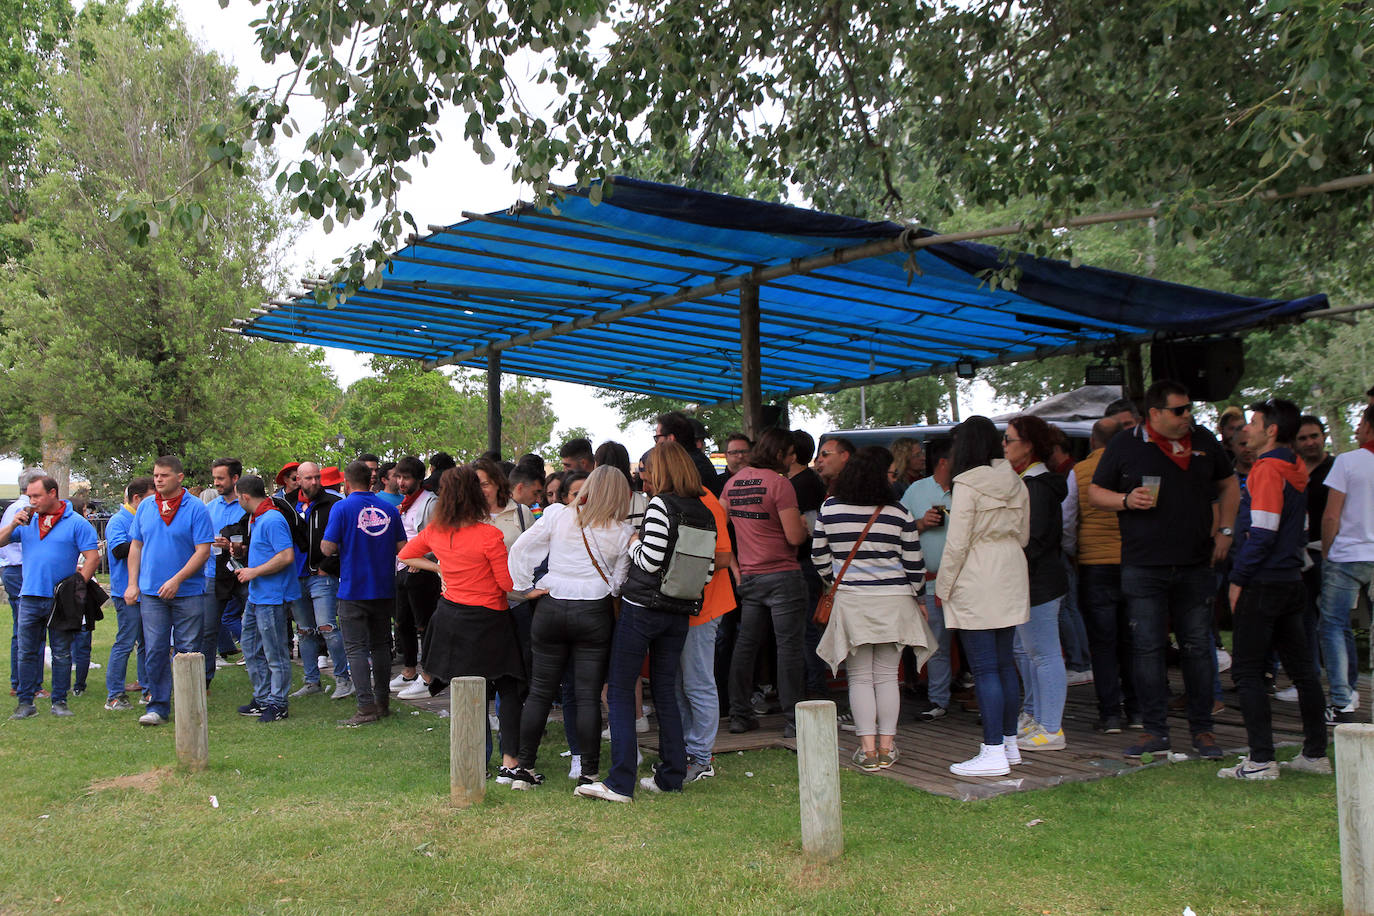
(1064, 467)
(1021, 468)
(409, 501)
(47, 520)
(167, 508)
(1369, 445)
(1179, 451)
(263, 508)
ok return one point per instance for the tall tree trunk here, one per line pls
(57, 454)
(952, 382)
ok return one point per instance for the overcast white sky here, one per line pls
(455, 180)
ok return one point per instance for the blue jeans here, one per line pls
(989, 656)
(938, 675)
(1041, 663)
(782, 596)
(661, 635)
(316, 613)
(33, 630)
(129, 633)
(13, 577)
(231, 621)
(697, 700)
(1109, 639)
(1341, 584)
(266, 653)
(1073, 633)
(1155, 596)
(174, 623)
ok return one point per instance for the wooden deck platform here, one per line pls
(928, 748)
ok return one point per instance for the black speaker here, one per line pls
(1209, 369)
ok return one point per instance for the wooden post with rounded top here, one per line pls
(191, 717)
(1355, 815)
(467, 741)
(818, 771)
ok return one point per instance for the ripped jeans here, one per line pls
(317, 624)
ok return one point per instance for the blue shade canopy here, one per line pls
(519, 282)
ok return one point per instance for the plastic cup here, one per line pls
(1152, 484)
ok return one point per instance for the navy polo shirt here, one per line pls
(49, 560)
(1178, 530)
(167, 548)
(367, 530)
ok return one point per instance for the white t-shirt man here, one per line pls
(1352, 475)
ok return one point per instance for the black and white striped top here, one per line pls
(650, 552)
(889, 560)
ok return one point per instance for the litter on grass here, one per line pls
(214, 801)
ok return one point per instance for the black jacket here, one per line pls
(76, 604)
(1044, 558)
(710, 479)
(314, 533)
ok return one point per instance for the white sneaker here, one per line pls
(991, 761)
(641, 725)
(400, 681)
(1304, 764)
(414, 691)
(601, 791)
(343, 687)
(1012, 750)
(152, 718)
(1025, 724)
(648, 785)
(1246, 769)
(1080, 677)
(1287, 694)
(1223, 660)
(575, 768)
(323, 661)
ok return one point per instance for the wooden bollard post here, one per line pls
(1355, 814)
(818, 771)
(467, 741)
(191, 717)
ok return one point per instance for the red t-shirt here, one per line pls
(472, 563)
(753, 499)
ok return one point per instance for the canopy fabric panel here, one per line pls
(493, 280)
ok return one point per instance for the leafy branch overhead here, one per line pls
(1186, 103)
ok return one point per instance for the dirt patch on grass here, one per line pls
(147, 781)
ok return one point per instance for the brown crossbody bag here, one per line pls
(827, 602)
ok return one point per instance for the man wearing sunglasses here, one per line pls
(1169, 543)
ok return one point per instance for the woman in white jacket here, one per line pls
(984, 585)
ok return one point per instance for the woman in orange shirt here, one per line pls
(471, 633)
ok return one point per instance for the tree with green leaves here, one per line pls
(112, 352)
(1202, 106)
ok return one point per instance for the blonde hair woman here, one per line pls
(587, 545)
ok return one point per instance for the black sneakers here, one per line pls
(521, 778)
(251, 708)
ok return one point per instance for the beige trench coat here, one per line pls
(983, 582)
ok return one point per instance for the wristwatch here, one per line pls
(1228, 532)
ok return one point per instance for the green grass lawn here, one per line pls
(313, 818)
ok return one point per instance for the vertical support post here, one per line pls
(750, 361)
(818, 771)
(1355, 814)
(192, 719)
(1135, 373)
(467, 741)
(494, 402)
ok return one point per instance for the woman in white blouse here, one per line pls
(587, 545)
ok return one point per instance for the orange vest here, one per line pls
(1099, 534)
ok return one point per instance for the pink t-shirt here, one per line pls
(753, 498)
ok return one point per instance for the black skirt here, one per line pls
(466, 641)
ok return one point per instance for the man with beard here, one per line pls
(222, 615)
(316, 610)
(168, 546)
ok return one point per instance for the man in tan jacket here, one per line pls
(1099, 594)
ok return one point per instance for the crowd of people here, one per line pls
(734, 593)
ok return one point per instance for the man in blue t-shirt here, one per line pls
(272, 585)
(53, 536)
(169, 543)
(128, 619)
(365, 532)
